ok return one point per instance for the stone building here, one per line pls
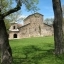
(33, 27)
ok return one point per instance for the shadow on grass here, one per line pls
(32, 55)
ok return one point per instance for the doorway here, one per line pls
(15, 36)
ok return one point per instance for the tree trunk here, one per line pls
(58, 32)
(6, 53)
(5, 50)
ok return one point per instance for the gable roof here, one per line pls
(33, 15)
(23, 26)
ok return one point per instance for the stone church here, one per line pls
(33, 27)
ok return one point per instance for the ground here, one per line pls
(38, 50)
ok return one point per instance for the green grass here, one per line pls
(35, 50)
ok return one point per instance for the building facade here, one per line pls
(33, 27)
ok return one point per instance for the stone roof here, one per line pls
(19, 25)
(23, 26)
(33, 15)
(48, 25)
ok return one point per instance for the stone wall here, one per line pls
(33, 27)
(14, 34)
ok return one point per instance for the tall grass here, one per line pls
(35, 50)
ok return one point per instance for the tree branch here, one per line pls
(18, 7)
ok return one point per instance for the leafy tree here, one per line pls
(63, 9)
(58, 32)
(5, 10)
(7, 24)
(49, 21)
(14, 16)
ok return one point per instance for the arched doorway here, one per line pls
(15, 36)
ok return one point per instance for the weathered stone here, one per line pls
(33, 27)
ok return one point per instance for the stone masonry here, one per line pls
(33, 27)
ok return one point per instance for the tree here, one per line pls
(58, 32)
(6, 52)
(7, 24)
(14, 17)
(63, 9)
(49, 21)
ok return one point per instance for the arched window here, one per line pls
(15, 36)
(13, 27)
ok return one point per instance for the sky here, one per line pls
(45, 7)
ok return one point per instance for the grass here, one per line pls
(35, 50)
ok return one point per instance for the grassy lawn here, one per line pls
(38, 50)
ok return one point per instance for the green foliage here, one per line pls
(49, 21)
(63, 9)
(14, 16)
(7, 24)
(31, 4)
(5, 5)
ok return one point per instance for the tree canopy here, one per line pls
(6, 5)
